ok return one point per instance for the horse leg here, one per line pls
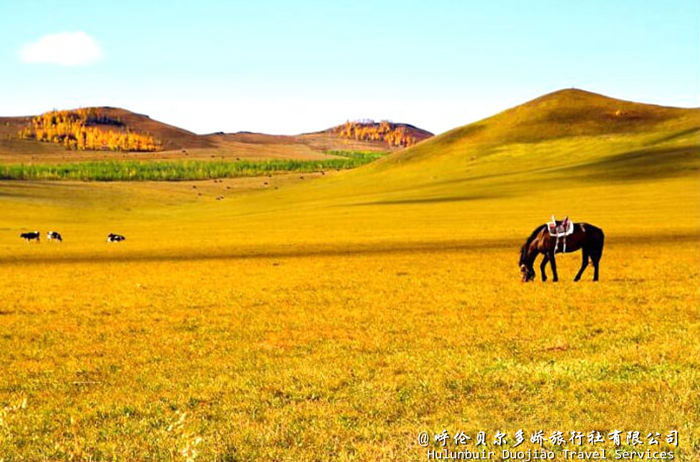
(596, 261)
(584, 264)
(543, 265)
(553, 263)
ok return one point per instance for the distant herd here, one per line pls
(56, 236)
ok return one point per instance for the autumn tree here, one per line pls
(388, 132)
(87, 129)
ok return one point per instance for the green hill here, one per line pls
(565, 136)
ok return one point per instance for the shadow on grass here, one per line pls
(328, 249)
(638, 165)
(641, 164)
(677, 135)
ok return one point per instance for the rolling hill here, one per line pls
(568, 152)
(566, 136)
(170, 136)
(177, 143)
(614, 162)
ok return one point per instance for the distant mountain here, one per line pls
(107, 119)
(19, 136)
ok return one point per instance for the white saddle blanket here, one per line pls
(558, 230)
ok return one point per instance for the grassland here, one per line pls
(334, 319)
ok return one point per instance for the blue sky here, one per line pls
(292, 67)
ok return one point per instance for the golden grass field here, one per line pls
(336, 317)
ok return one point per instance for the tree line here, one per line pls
(87, 129)
(178, 170)
(391, 133)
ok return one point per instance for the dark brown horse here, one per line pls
(587, 238)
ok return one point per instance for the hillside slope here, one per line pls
(494, 179)
(172, 137)
(561, 114)
(175, 142)
(562, 136)
(15, 149)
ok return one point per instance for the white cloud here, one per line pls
(66, 49)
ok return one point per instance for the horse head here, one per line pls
(527, 259)
(527, 272)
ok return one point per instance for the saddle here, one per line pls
(560, 230)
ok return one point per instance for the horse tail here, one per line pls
(528, 241)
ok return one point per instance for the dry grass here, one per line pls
(342, 346)
(333, 357)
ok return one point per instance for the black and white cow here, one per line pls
(31, 236)
(54, 236)
(111, 237)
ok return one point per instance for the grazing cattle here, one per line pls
(111, 237)
(31, 236)
(54, 236)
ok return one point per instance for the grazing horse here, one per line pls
(31, 236)
(585, 237)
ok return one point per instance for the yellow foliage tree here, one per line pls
(87, 129)
(390, 133)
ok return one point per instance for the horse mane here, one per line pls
(523, 249)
